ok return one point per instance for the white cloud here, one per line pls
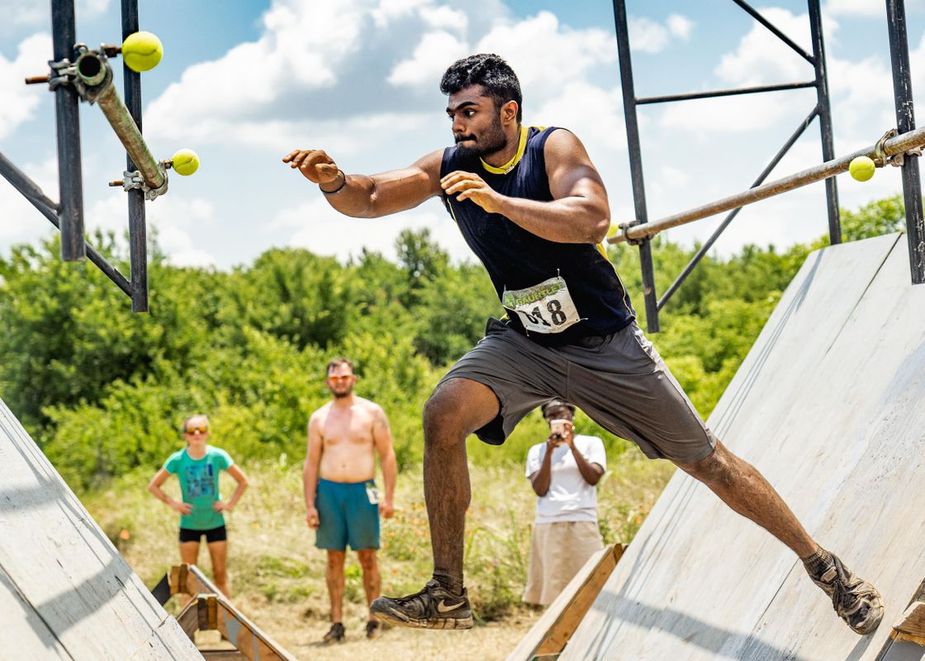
(430, 59)
(537, 46)
(211, 105)
(680, 26)
(735, 114)
(20, 222)
(594, 114)
(347, 136)
(172, 219)
(391, 10)
(762, 58)
(446, 18)
(854, 8)
(649, 36)
(16, 12)
(317, 227)
(301, 46)
(20, 100)
(91, 8)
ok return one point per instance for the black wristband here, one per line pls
(336, 190)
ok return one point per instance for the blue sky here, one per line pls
(243, 83)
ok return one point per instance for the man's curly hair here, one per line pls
(491, 72)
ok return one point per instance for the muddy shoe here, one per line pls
(434, 607)
(334, 635)
(856, 601)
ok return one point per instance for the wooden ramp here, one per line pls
(65, 592)
(218, 629)
(551, 633)
(830, 406)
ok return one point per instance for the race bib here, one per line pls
(372, 493)
(543, 308)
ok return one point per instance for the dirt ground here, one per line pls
(300, 636)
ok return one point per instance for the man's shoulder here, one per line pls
(368, 405)
(588, 440)
(555, 139)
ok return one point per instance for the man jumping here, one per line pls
(533, 208)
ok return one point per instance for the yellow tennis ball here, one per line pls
(185, 162)
(142, 51)
(862, 168)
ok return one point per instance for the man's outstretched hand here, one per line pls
(314, 164)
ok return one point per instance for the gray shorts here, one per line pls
(618, 380)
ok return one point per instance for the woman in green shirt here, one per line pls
(198, 466)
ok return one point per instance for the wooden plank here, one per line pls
(37, 642)
(63, 575)
(207, 611)
(553, 630)
(223, 655)
(208, 639)
(560, 633)
(189, 618)
(827, 405)
(911, 626)
(234, 625)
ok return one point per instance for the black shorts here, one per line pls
(619, 380)
(213, 535)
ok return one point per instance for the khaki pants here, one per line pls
(558, 551)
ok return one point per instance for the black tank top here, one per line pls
(556, 293)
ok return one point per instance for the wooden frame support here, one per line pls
(215, 625)
(551, 632)
(911, 625)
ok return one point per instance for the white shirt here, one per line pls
(570, 497)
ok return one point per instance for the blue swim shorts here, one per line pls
(348, 513)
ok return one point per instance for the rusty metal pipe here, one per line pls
(96, 75)
(899, 144)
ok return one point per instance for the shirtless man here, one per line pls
(341, 499)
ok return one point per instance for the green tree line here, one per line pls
(104, 390)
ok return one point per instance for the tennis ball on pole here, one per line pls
(142, 51)
(185, 162)
(862, 168)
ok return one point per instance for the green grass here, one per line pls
(274, 564)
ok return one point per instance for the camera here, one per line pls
(558, 428)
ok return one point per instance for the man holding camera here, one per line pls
(563, 471)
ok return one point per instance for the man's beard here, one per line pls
(492, 141)
(341, 394)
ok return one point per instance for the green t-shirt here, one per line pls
(199, 485)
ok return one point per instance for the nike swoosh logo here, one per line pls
(443, 608)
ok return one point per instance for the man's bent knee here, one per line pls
(457, 408)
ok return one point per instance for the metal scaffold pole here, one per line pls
(67, 119)
(905, 122)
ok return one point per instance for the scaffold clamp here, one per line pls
(624, 229)
(132, 180)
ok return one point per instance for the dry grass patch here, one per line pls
(277, 574)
